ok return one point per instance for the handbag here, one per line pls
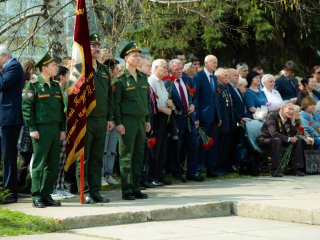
(312, 161)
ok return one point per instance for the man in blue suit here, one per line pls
(180, 93)
(208, 113)
(11, 85)
(287, 84)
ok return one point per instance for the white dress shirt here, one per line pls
(160, 90)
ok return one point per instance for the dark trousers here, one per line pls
(226, 150)
(159, 151)
(276, 144)
(9, 141)
(209, 157)
(25, 158)
(187, 139)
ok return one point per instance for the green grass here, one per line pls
(16, 223)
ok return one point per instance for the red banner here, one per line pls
(81, 91)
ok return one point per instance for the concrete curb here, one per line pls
(265, 211)
(188, 211)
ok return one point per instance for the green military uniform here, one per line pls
(96, 130)
(131, 108)
(43, 112)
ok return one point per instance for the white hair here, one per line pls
(219, 71)
(241, 66)
(157, 63)
(265, 78)
(208, 57)
(187, 66)
(5, 51)
(174, 62)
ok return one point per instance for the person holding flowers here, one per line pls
(208, 113)
(187, 135)
(278, 132)
(164, 104)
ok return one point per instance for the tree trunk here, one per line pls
(56, 29)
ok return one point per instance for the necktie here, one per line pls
(183, 97)
(153, 100)
(211, 81)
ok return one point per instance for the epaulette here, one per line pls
(55, 81)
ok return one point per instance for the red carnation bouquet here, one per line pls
(151, 142)
(207, 141)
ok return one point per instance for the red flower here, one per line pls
(208, 144)
(310, 123)
(169, 77)
(151, 142)
(301, 130)
(191, 90)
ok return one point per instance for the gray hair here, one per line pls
(265, 78)
(5, 51)
(296, 108)
(187, 66)
(157, 63)
(219, 71)
(174, 62)
(285, 104)
(241, 66)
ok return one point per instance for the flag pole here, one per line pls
(81, 178)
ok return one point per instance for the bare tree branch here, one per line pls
(40, 26)
(22, 19)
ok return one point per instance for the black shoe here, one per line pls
(179, 177)
(38, 203)
(158, 184)
(278, 174)
(196, 178)
(89, 200)
(299, 173)
(9, 199)
(128, 196)
(100, 199)
(141, 187)
(140, 195)
(51, 203)
(149, 185)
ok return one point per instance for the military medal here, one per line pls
(128, 84)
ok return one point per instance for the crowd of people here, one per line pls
(157, 118)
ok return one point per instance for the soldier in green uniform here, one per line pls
(131, 115)
(44, 117)
(98, 122)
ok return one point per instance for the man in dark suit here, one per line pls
(287, 84)
(208, 113)
(239, 110)
(180, 92)
(11, 85)
(278, 132)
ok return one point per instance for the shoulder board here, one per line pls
(55, 81)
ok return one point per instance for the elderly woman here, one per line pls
(253, 97)
(310, 120)
(309, 90)
(273, 96)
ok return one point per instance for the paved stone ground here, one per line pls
(291, 199)
(222, 228)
